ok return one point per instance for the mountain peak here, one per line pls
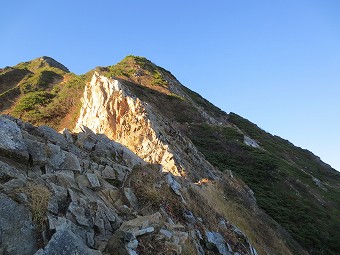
(42, 62)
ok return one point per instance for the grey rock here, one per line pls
(17, 232)
(71, 162)
(166, 233)
(55, 222)
(55, 156)
(37, 150)
(144, 231)
(133, 244)
(250, 142)
(68, 136)
(105, 219)
(53, 136)
(122, 171)
(215, 239)
(141, 222)
(11, 141)
(13, 184)
(108, 173)
(79, 214)
(131, 197)
(87, 139)
(189, 217)
(59, 199)
(174, 185)
(65, 242)
(93, 179)
(8, 172)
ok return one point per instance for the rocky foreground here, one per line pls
(82, 193)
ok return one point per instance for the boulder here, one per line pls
(93, 179)
(131, 197)
(108, 173)
(71, 162)
(12, 144)
(17, 231)
(64, 241)
(142, 224)
(8, 172)
(215, 239)
(53, 136)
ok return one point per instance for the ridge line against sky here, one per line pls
(276, 63)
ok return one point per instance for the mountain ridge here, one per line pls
(230, 143)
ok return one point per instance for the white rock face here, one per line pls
(110, 109)
(250, 142)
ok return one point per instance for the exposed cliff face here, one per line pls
(110, 108)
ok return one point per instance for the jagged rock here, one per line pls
(79, 214)
(71, 162)
(215, 239)
(55, 156)
(37, 151)
(8, 172)
(132, 252)
(121, 171)
(86, 139)
(144, 231)
(141, 222)
(93, 179)
(131, 197)
(17, 232)
(108, 173)
(64, 241)
(189, 217)
(68, 135)
(166, 233)
(53, 136)
(174, 185)
(105, 219)
(11, 141)
(13, 184)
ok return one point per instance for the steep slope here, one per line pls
(110, 108)
(145, 108)
(292, 185)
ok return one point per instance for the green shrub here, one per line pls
(31, 100)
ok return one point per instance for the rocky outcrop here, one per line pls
(78, 193)
(109, 108)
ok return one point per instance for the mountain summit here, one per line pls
(144, 165)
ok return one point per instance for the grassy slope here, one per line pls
(41, 91)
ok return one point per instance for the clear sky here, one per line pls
(274, 62)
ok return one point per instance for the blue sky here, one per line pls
(276, 63)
